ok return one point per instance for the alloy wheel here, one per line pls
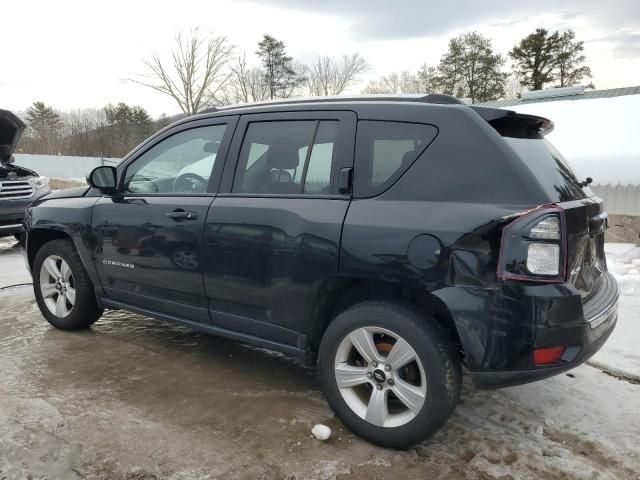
(380, 377)
(57, 286)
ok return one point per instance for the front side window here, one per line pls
(181, 163)
(287, 157)
(385, 150)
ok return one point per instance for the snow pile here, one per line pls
(321, 432)
(621, 355)
(623, 261)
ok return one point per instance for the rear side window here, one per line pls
(549, 167)
(287, 158)
(385, 150)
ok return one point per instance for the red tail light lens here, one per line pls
(548, 355)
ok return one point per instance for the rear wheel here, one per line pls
(62, 287)
(390, 373)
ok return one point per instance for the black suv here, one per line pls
(388, 241)
(19, 186)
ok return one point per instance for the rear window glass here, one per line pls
(549, 167)
(385, 150)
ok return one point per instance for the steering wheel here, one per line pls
(190, 183)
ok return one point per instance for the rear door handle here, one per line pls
(180, 214)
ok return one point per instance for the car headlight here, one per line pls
(40, 182)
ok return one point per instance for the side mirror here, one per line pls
(104, 178)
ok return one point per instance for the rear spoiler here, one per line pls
(511, 124)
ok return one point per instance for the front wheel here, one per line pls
(62, 287)
(390, 373)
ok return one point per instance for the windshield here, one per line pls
(550, 168)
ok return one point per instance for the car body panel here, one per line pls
(267, 257)
(157, 260)
(71, 217)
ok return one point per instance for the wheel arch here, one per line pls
(338, 294)
(37, 237)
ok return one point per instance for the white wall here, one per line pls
(61, 166)
(600, 137)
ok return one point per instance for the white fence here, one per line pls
(61, 166)
(619, 199)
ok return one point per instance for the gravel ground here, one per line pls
(135, 398)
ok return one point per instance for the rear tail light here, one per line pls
(546, 229)
(543, 259)
(533, 247)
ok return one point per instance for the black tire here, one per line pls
(85, 310)
(432, 346)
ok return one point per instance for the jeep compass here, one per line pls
(387, 241)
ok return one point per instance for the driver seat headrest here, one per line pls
(283, 153)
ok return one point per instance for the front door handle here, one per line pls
(180, 214)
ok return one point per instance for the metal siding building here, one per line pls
(599, 134)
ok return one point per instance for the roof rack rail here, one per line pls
(437, 98)
(442, 98)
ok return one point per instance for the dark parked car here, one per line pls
(388, 241)
(19, 186)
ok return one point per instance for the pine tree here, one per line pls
(162, 121)
(127, 126)
(44, 120)
(470, 68)
(45, 129)
(427, 78)
(280, 76)
(450, 69)
(570, 59)
(535, 58)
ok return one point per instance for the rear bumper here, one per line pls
(500, 329)
(574, 356)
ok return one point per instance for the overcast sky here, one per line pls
(79, 54)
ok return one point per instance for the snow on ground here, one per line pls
(13, 268)
(621, 354)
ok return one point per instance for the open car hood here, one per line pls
(11, 127)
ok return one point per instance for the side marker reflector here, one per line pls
(547, 356)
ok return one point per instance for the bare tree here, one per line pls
(197, 71)
(394, 83)
(246, 84)
(327, 76)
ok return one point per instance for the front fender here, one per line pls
(63, 217)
